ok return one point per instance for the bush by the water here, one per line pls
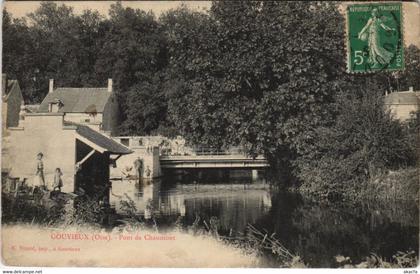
(24, 210)
(401, 259)
(52, 211)
(402, 184)
(350, 156)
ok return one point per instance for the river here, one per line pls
(316, 231)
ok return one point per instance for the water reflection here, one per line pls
(235, 205)
(317, 231)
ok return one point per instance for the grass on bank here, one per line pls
(198, 245)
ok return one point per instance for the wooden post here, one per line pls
(254, 174)
(78, 164)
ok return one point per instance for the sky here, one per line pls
(411, 11)
(21, 8)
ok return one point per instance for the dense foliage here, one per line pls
(86, 50)
(265, 75)
(353, 153)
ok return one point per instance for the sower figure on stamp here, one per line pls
(378, 55)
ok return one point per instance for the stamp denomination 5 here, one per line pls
(375, 37)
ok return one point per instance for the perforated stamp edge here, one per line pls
(345, 6)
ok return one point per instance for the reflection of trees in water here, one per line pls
(318, 232)
(234, 205)
(234, 210)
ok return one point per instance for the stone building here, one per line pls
(12, 99)
(404, 104)
(148, 150)
(82, 153)
(94, 107)
(145, 151)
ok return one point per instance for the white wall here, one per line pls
(125, 164)
(402, 112)
(94, 121)
(42, 133)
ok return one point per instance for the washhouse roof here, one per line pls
(100, 140)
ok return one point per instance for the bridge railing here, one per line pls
(212, 151)
(202, 151)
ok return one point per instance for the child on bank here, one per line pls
(58, 182)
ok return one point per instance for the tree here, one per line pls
(19, 55)
(410, 77)
(256, 73)
(55, 32)
(132, 52)
(54, 43)
(91, 29)
(147, 107)
(260, 74)
(85, 50)
(363, 142)
(189, 38)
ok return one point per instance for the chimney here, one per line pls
(3, 83)
(410, 89)
(110, 85)
(51, 87)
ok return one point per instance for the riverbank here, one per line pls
(398, 185)
(26, 245)
(402, 184)
(304, 232)
(29, 245)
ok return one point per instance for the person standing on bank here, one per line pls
(40, 170)
(138, 168)
(147, 172)
(39, 180)
(58, 182)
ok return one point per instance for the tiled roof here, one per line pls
(403, 98)
(102, 141)
(77, 99)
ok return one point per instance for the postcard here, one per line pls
(210, 134)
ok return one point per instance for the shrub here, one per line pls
(401, 259)
(24, 209)
(363, 142)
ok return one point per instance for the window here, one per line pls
(55, 105)
(125, 141)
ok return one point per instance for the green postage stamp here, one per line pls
(375, 37)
